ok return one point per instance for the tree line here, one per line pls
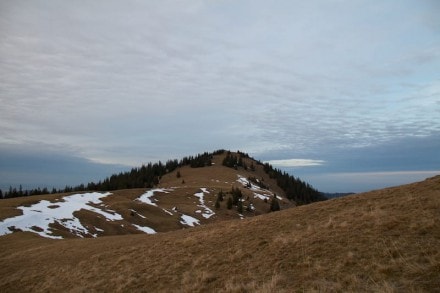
(295, 189)
(146, 176)
(149, 175)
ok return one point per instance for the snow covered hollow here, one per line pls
(146, 197)
(39, 216)
(207, 213)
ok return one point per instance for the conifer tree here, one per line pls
(220, 196)
(274, 204)
(240, 207)
(229, 203)
(240, 162)
(236, 195)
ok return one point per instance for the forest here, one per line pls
(149, 175)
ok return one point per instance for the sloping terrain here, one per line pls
(382, 241)
(184, 198)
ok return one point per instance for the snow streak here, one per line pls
(207, 213)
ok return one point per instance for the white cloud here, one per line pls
(386, 173)
(133, 81)
(365, 181)
(296, 163)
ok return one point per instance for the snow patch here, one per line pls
(261, 196)
(168, 212)
(147, 230)
(146, 197)
(246, 183)
(207, 211)
(263, 193)
(189, 221)
(142, 216)
(43, 214)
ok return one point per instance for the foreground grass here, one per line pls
(386, 240)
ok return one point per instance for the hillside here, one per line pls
(381, 241)
(185, 197)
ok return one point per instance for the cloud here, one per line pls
(386, 173)
(365, 181)
(138, 81)
(296, 163)
(44, 168)
(395, 162)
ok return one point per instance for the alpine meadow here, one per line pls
(220, 146)
(209, 226)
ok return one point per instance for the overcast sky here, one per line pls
(345, 93)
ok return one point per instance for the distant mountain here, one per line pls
(200, 189)
(336, 194)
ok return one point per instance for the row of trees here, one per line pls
(149, 175)
(146, 176)
(14, 192)
(235, 161)
(235, 199)
(200, 160)
(295, 189)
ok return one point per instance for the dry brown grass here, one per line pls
(382, 241)
(214, 178)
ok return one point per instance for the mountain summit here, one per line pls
(203, 189)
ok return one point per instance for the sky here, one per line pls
(343, 94)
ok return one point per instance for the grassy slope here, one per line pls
(214, 178)
(386, 240)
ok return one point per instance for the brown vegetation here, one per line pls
(214, 178)
(386, 240)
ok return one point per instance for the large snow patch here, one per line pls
(39, 216)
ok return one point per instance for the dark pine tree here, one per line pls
(274, 204)
(240, 207)
(220, 196)
(229, 203)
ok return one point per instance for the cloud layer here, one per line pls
(295, 163)
(137, 81)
